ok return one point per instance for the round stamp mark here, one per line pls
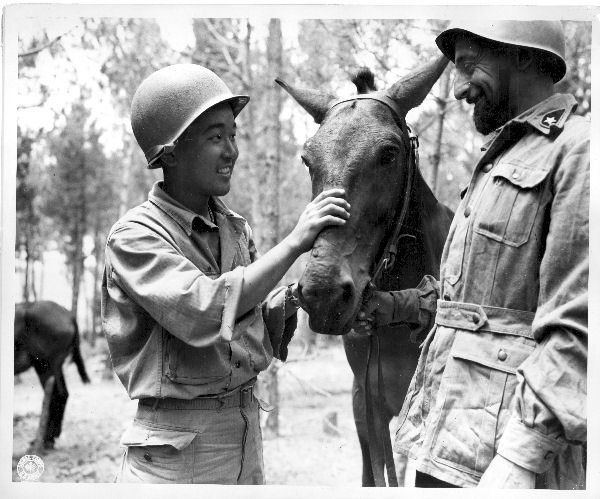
(30, 468)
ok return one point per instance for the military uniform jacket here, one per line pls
(169, 309)
(504, 368)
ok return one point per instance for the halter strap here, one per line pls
(378, 96)
(388, 257)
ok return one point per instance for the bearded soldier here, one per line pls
(498, 398)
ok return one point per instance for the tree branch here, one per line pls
(42, 47)
(220, 38)
(29, 106)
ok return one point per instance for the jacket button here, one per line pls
(487, 167)
(516, 175)
(238, 364)
(502, 355)
(446, 297)
(549, 455)
(467, 211)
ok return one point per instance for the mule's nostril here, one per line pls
(347, 292)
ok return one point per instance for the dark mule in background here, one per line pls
(45, 334)
(363, 145)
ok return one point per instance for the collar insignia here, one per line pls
(552, 118)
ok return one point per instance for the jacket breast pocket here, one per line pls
(197, 366)
(510, 203)
(477, 388)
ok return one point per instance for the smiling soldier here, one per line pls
(186, 307)
(498, 398)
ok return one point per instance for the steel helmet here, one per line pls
(546, 36)
(169, 100)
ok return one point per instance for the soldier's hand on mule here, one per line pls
(377, 311)
(328, 208)
(387, 307)
(504, 474)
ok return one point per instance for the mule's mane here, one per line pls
(364, 79)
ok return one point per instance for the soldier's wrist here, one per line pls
(405, 305)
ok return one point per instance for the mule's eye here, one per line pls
(388, 157)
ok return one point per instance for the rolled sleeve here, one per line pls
(198, 310)
(416, 307)
(281, 321)
(529, 448)
(550, 399)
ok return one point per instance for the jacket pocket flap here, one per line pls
(138, 435)
(501, 352)
(520, 175)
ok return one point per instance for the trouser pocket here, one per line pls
(157, 455)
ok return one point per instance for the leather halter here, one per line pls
(379, 442)
(378, 96)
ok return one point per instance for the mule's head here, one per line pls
(362, 145)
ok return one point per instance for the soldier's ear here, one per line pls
(168, 159)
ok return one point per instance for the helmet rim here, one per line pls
(446, 41)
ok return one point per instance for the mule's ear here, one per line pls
(411, 90)
(314, 102)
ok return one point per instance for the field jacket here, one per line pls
(169, 310)
(504, 368)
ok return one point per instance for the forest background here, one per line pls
(79, 168)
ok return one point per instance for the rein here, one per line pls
(380, 445)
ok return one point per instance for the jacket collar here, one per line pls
(547, 117)
(182, 215)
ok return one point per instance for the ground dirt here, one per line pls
(307, 451)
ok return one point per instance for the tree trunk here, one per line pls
(78, 257)
(31, 265)
(27, 272)
(77, 267)
(125, 188)
(442, 104)
(98, 267)
(270, 180)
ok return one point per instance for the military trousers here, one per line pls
(178, 444)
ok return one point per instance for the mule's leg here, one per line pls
(57, 409)
(360, 419)
(38, 445)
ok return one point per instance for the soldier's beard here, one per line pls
(488, 117)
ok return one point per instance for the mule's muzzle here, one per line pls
(329, 306)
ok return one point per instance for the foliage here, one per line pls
(578, 80)
(79, 166)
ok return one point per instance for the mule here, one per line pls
(363, 145)
(45, 334)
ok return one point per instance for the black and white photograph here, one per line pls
(319, 249)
